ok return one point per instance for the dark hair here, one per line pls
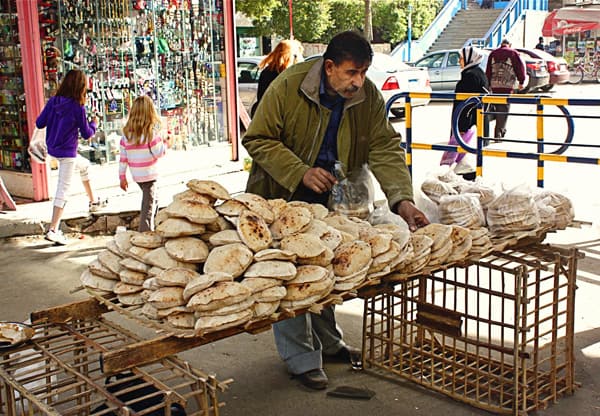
(349, 46)
(74, 86)
(505, 42)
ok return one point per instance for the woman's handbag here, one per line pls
(37, 146)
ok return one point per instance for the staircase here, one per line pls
(473, 22)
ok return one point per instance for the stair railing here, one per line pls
(511, 14)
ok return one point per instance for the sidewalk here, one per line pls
(176, 169)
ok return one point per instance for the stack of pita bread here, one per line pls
(481, 242)
(441, 246)
(462, 209)
(556, 210)
(310, 284)
(513, 211)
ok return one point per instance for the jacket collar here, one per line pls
(312, 81)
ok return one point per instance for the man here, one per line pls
(540, 44)
(504, 68)
(313, 114)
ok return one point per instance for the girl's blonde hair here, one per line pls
(142, 120)
(286, 53)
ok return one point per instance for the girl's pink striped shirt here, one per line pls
(141, 159)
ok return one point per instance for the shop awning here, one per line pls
(568, 20)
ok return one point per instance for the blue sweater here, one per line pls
(64, 118)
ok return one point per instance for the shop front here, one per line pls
(576, 30)
(176, 51)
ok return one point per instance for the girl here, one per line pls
(65, 118)
(140, 150)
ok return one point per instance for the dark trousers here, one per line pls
(148, 206)
(501, 118)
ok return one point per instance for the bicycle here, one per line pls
(582, 67)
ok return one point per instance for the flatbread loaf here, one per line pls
(187, 249)
(219, 295)
(132, 277)
(179, 227)
(100, 270)
(92, 281)
(167, 297)
(195, 212)
(233, 259)
(304, 245)
(231, 208)
(264, 309)
(271, 294)
(184, 320)
(292, 220)
(254, 231)
(275, 254)
(208, 187)
(204, 281)
(351, 257)
(257, 204)
(207, 324)
(191, 195)
(275, 269)
(147, 239)
(135, 265)
(176, 277)
(110, 260)
(159, 257)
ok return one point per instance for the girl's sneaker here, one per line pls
(57, 237)
(98, 204)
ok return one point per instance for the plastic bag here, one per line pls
(37, 146)
(352, 195)
(382, 215)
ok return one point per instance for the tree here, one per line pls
(344, 15)
(390, 18)
(368, 21)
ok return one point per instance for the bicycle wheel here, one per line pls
(575, 75)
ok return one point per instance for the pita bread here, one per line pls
(131, 299)
(191, 195)
(167, 297)
(379, 240)
(224, 237)
(159, 257)
(194, 211)
(257, 204)
(233, 259)
(305, 290)
(135, 265)
(92, 281)
(400, 234)
(207, 324)
(385, 259)
(204, 281)
(359, 276)
(154, 271)
(317, 227)
(319, 211)
(232, 208)
(304, 245)
(113, 248)
(277, 206)
(220, 224)
(351, 257)
(228, 310)
(439, 233)
(176, 277)
(292, 220)
(149, 311)
(100, 270)
(151, 283)
(309, 274)
(324, 259)
(207, 187)
(421, 244)
(258, 284)
(163, 313)
(147, 239)
(271, 294)
(110, 260)
(179, 227)
(254, 231)
(132, 277)
(275, 254)
(276, 269)
(187, 249)
(122, 288)
(219, 295)
(332, 238)
(264, 309)
(161, 216)
(342, 223)
(299, 304)
(138, 253)
(184, 320)
(122, 240)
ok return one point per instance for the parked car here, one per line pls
(392, 77)
(444, 69)
(247, 76)
(557, 67)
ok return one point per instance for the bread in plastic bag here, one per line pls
(513, 210)
(462, 209)
(353, 194)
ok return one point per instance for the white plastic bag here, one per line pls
(37, 146)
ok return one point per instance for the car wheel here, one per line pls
(547, 87)
(397, 112)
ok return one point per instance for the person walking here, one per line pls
(504, 68)
(314, 114)
(472, 80)
(140, 149)
(65, 118)
(285, 54)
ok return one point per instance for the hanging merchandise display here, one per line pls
(170, 50)
(13, 122)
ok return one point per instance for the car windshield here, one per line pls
(382, 62)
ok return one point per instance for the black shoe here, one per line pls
(314, 379)
(346, 354)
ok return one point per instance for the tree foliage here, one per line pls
(319, 21)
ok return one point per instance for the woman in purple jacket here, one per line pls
(64, 118)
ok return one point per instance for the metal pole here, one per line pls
(291, 23)
(409, 31)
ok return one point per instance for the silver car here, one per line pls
(247, 76)
(444, 68)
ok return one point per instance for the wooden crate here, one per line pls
(496, 333)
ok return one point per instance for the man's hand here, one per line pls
(124, 184)
(413, 217)
(318, 180)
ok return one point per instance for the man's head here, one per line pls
(541, 39)
(505, 42)
(346, 60)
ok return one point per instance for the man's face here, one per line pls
(346, 78)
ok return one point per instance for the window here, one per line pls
(247, 73)
(431, 61)
(453, 59)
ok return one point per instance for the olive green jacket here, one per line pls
(289, 126)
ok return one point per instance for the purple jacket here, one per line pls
(64, 118)
(504, 68)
